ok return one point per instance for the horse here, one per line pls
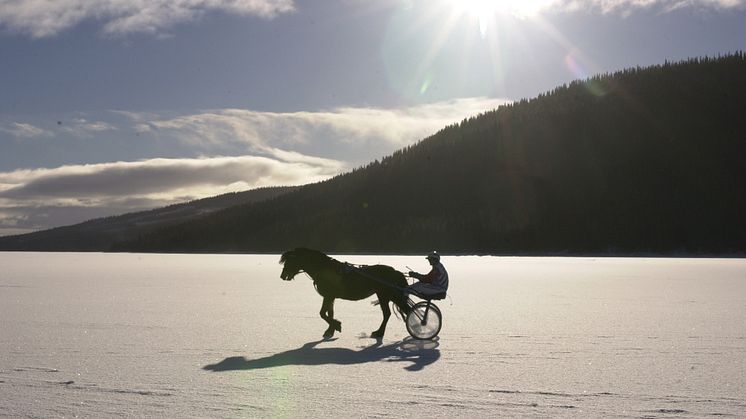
(334, 279)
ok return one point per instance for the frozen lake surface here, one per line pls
(98, 335)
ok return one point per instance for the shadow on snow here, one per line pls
(418, 353)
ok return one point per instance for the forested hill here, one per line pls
(99, 234)
(645, 160)
(642, 161)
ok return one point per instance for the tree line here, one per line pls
(640, 161)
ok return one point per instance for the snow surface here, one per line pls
(145, 335)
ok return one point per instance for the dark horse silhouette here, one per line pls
(334, 279)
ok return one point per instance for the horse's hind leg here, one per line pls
(334, 323)
(327, 313)
(384, 303)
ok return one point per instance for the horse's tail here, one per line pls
(401, 308)
(401, 299)
(403, 305)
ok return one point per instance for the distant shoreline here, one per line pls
(641, 255)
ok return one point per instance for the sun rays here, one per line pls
(433, 48)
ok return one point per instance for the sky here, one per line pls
(113, 106)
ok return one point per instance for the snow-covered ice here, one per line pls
(146, 335)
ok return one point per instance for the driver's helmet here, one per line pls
(433, 256)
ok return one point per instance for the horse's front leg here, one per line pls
(327, 313)
(384, 303)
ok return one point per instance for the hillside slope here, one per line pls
(645, 160)
(99, 234)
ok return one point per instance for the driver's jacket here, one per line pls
(438, 276)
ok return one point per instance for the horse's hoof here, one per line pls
(377, 334)
(337, 325)
(328, 334)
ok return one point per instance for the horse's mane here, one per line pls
(307, 255)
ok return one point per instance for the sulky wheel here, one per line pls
(422, 327)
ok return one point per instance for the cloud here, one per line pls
(626, 7)
(44, 198)
(527, 8)
(15, 223)
(28, 218)
(97, 184)
(80, 127)
(344, 133)
(77, 127)
(43, 18)
(23, 130)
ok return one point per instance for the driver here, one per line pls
(434, 282)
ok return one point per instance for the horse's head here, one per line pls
(291, 265)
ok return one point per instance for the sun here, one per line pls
(488, 12)
(488, 9)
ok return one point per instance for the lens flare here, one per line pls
(579, 71)
(574, 66)
(426, 83)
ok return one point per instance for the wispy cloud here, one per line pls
(335, 133)
(626, 7)
(80, 127)
(24, 130)
(43, 18)
(529, 8)
(76, 127)
(27, 218)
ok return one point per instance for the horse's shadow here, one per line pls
(419, 354)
